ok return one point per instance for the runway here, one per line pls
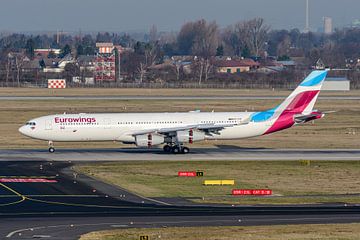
(216, 153)
(53, 202)
(193, 98)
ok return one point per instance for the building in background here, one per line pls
(336, 84)
(236, 66)
(105, 63)
(355, 23)
(47, 52)
(328, 26)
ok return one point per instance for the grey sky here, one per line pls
(125, 15)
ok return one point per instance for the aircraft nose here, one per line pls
(22, 130)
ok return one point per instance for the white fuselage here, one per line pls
(120, 126)
(148, 129)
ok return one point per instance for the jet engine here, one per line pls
(189, 136)
(148, 140)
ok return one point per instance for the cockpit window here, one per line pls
(31, 123)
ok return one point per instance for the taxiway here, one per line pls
(46, 199)
(217, 153)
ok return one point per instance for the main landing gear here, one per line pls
(51, 147)
(176, 149)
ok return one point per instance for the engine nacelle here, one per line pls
(148, 140)
(189, 136)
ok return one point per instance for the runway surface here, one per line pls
(166, 97)
(42, 199)
(216, 153)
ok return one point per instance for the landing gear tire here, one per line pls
(51, 150)
(176, 150)
(185, 150)
(167, 148)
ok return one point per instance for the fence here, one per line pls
(160, 85)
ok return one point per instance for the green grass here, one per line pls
(281, 232)
(286, 179)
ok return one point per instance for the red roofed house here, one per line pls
(236, 66)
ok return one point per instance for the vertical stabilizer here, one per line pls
(300, 102)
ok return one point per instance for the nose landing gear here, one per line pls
(51, 147)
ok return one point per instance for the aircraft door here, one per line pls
(48, 125)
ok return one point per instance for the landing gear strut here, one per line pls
(51, 147)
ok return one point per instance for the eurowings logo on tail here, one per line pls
(300, 103)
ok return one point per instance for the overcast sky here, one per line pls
(139, 15)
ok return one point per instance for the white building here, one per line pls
(328, 25)
(336, 84)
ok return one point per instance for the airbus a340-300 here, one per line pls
(174, 130)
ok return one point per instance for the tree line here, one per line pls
(201, 41)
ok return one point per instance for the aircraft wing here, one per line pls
(208, 128)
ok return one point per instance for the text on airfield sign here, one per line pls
(186, 174)
(191, 174)
(258, 192)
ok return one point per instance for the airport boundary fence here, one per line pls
(160, 85)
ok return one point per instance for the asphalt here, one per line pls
(72, 204)
(154, 154)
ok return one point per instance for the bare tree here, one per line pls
(19, 62)
(142, 71)
(178, 69)
(150, 54)
(186, 37)
(7, 68)
(255, 33)
(232, 41)
(205, 43)
(283, 47)
(207, 68)
(153, 34)
(206, 39)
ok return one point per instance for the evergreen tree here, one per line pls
(220, 50)
(30, 47)
(65, 51)
(245, 52)
(79, 50)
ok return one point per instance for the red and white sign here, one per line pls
(56, 83)
(26, 180)
(187, 174)
(258, 192)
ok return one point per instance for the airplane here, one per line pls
(176, 129)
